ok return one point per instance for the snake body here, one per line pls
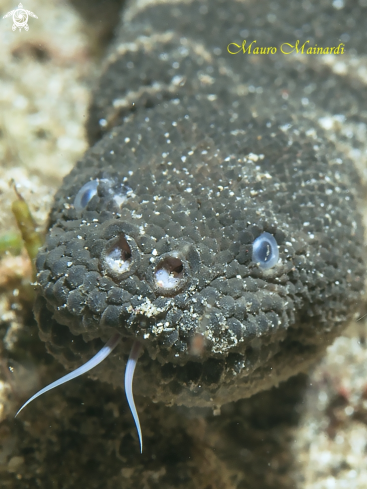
(195, 152)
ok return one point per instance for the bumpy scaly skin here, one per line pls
(212, 162)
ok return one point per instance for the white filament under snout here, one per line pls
(93, 362)
(129, 375)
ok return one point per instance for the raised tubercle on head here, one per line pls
(129, 375)
(93, 362)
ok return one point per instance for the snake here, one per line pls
(211, 239)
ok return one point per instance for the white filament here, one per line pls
(93, 362)
(129, 375)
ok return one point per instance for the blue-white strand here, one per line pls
(93, 362)
(129, 375)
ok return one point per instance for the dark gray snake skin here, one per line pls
(197, 152)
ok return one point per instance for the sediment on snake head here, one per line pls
(195, 154)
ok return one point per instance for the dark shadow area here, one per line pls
(101, 17)
(83, 433)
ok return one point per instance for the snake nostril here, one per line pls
(119, 255)
(169, 275)
(119, 258)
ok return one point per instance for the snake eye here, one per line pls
(265, 251)
(170, 275)
(120, 257)
(85, 195)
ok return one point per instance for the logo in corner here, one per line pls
(20, 17)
